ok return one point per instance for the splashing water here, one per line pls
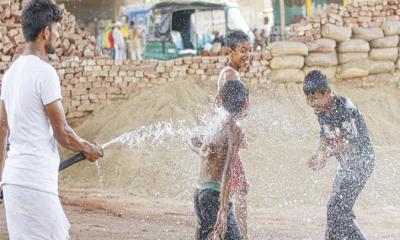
(99, 172)
(157, 133)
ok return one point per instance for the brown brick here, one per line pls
(139, 74)
(103, 73)
(96, 84)
(8, 47)
(85, 97)
(112, 90)
(98, 90)
(75, 103)
(19, 38)
(196, 60)
(102, 96)
(123, 73)
(187, 60)
(96, 68)
(178, 62)
(160, 69)
(194, 66)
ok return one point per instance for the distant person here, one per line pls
(119, 42)
(32, 115)
(267, 28)
(111, 41)
(263, 39)
(218, 38)
(344, 135)
(134, 42)
(100, 39)
(257, 45)
(214, 211)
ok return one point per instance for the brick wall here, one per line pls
(86, 84)
(357, 14)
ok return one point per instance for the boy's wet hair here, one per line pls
(37, 15)
(315, 81)
(234, 95)
(234, 38)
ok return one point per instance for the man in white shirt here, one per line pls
(119, 42)
(31, 114)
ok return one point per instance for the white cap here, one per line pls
(119, 24)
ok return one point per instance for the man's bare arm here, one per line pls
(3, 136)
(66, 136)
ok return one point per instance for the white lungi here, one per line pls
(34, 215)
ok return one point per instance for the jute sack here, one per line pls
(383, 54)
(391, 28)
(381, 67)
(285, 62)
(288, 48)
(322, 45)
(351, 57)
(386, 42)
(287, 75)
(367, 34)
(336, 33)
(322, 60)
(353, 70)
(353, 45)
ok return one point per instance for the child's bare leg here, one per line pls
(241, 213)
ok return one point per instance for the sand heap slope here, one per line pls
(282, 132)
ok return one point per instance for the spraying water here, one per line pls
(157, 133)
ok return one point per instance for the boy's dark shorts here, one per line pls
(206, 204)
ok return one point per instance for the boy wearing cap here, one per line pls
(343, 135)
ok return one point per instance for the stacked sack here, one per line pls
(339, 34)
(384, 50)
(322, 56)
(357, 65)
(287, 61)
(353, 59)
(390, 42)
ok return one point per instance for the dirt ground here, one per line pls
(143, 189)
(105, 218)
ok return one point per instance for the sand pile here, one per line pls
(282, 132)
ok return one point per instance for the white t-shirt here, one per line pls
(33, 158)
(118, 39)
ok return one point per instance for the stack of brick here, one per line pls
(322, 56)
(287, 61)
(73, 41)
(203, 68)
(259, 69)
(306, 31)
(11, 35)
(86, 84)
(365, 14)
(336, 14)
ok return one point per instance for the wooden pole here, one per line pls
(282, 13)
